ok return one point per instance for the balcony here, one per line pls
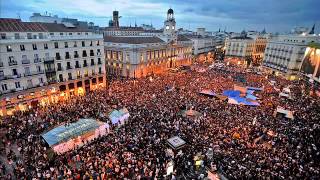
(85, 65)
(69, 67)
(50, 70)
(48, 59)
(58, 57)
(67, 57)
(77, 66)
(98, 53)
(99, 62)
(60, 69)
(1, 64)
(33, 73)
(37, 60)
(92, 64)
(25, 61)
(76, 56)
(13, 63)
(10, 77)
(91, 54)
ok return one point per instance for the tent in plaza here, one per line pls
(242, 101)
(254, 88)
(119, 116)
(243, 90)
(280, 110)
(66, 137)
(207, 92)
(231, 93)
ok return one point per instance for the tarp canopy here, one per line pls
(207, 92)
(242, 101)
(250, 91)
(287, 113)
(250, 96)
(243, 90)
(231, 93)
(254, 88)
(64, 133)
(117, 116)
(221, 97)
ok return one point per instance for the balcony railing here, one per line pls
(10, 77)
(58, 57)
(37, 60)
(77, 66)
(34, 73)
(85, 65)
(60, 69)
(25, 61)
(91, 54)
(12, 63)
(67, 57)
(1, 64)
(50, 70)
(76, 56)
(48, 59)
(69, 67)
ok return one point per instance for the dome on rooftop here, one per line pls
(170, 11)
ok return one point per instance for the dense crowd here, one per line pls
(247, 142)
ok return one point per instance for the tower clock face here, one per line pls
(167, 27)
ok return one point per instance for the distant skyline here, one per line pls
(234, 15)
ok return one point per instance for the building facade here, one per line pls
(42, 63)
(284, 53)
(311, 62)
(246, 47)
(130, 57)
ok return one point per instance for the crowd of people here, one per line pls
(247, 142)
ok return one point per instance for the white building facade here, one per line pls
(42, 63)
(284, 53)
(130, 57)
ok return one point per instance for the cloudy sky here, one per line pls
(235, 15)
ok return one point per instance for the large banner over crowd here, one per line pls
(69, 136)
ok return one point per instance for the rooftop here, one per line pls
(16, 25)
(132, 39)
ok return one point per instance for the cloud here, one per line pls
(276, 15)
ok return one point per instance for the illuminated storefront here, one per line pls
(311, 62)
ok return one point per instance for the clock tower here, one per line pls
(169, 24)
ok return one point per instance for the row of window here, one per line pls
(34, 36)
(30, 84)
(77, 64)
(78, 75)
(76, 55)
(27, 72)
(56, 45)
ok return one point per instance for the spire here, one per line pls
(135, 22)
(312, 30)
(219, 29)
(264, 31)
(225, 29)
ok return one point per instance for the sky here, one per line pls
(234, 15)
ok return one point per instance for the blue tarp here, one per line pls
(250, 96)
(64, 133)
(254, 88)
(250, 91)
(244, 101)
(231, 93)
